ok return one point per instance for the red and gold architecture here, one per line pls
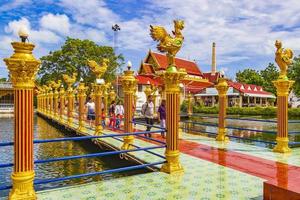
(283, 58)
(70, 95)
(62, 104)
(55, 86)
(99, 88)
(172, 78)
(81, 99)
(129, 84)
(50, 95)
(222, 89)
(22, 67)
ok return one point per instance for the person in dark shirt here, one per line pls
(162, 116)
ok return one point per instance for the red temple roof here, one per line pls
(190, 66)
(248, 88)
(211, 77)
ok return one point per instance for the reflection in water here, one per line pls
(266, 126)
(44, 130)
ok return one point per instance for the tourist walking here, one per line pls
(112, 115)
(162, 116)
(90, 106)
(148, 112)
(119, 113)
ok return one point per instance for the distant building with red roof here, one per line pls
(154, 62)
(239, 94)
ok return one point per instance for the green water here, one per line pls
(250, 134)
(44, 130)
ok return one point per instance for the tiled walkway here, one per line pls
(212, 171)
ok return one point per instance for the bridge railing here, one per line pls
(159, 145)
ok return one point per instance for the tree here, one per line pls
(2, 80)
(294, 74)
(249, 76)
(268, 75)
(73, 56)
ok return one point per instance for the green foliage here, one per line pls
(271, 73)
(2, 80)
(265, 111)
(184, 106)
(73, 56)
(294, 74)
(262, 78)
(249, 76)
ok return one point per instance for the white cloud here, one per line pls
(58, 23)
(36, 36)
(13, 4)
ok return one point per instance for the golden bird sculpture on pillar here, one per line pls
(98, 70)
(70, 80)
(283, 58)
(168, 43)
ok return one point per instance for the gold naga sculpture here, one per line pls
(283, 58)
(167, 43)
(70, 80)
(96, 68)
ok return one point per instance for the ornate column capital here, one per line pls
(222, 87)
(128, 82)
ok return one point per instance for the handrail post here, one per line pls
(172, 80)
(283, 85)
(129, 84)
(70, 95)
(22, 68)
(81, 99)
(61, 104)
(222, 89)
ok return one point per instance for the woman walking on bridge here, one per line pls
(90, 106)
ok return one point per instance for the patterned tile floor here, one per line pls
(202, 179)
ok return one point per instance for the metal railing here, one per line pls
(100, 154)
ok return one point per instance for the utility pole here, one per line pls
(115, 29)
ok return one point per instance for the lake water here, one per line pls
(250, 134)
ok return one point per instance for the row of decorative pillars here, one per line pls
(22, 68)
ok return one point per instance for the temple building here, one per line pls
(154, 62)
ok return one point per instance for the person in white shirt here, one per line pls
(148, 112)
(90, 106)
(119, 113)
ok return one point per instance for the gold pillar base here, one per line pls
(128, 141)
(81, 127)
(172, 165)
(98, 130)
(282, 145)
(22, 186)
(221, 137)
(70, 122)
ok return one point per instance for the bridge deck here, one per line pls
(212, 171)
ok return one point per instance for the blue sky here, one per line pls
(244, 30)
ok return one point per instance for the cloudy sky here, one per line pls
(244, 30)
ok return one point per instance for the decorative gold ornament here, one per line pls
(283, 58)
(167, 43)
(97, 69)
(70, 80)
(22, 65)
